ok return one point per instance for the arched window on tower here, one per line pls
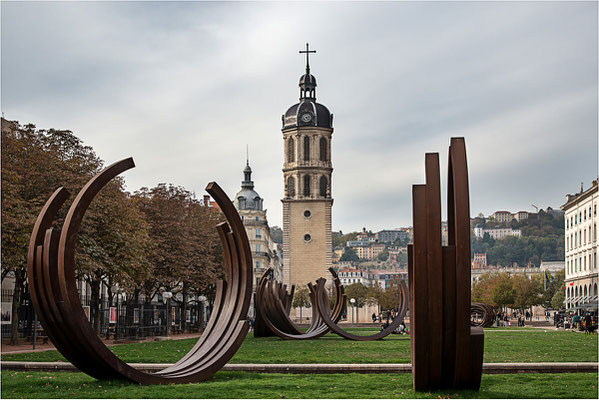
(323, 149)
(306, 185)
(290, 150)
(290, 186)
(323, 186)
(306, 148)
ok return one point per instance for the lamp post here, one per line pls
(118, 291)
(202, 300)
(352, 301)
(166, 298)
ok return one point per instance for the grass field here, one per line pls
(278, 386)
(501, 345)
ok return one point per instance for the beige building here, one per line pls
(250, 206)
(501, 216)
(580, 219)
(307, 202)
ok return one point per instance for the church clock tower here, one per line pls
(307, 169)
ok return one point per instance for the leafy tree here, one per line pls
(34, 163)
(339, 239)
(349, 255)
(527, 292)
(185, 253)
(557, 301)
(383, 255)
(301, 299)
(358, 292)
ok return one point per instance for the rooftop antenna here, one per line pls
(247, 154)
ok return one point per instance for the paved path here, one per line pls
(488, 368)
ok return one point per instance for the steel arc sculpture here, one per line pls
(446, 351)
(332, 325)
(51, 275)
(482, 315)
(273, 304)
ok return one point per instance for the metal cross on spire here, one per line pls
(307, 52)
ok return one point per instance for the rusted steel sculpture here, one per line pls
(51, 274)
(446, 351)
(273, 304)
(482, 315)
(323, 309)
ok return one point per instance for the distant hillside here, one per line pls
(542, 239)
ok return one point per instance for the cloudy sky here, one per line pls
(183, 87)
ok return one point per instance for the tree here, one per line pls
(495, 289)
(35, 163)
(349, 255)
(527, 292)
(383, 255)
(186, 250)
(557, 301)
(301, 299)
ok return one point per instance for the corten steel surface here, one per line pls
(446, 350)
(482, 315)
(51, 273)
(323, 309)
(273, 303)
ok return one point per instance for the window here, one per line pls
(307, 213)
(290, 186)
(306, 185)
(258, 234)
(258, 248)
(307, 237)
(306, 148)
(290, 150)
(323, 149)
(258, 264)
(323, 186)
(257, 219)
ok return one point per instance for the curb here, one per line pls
(488, 368)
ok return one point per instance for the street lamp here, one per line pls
(352, 301)
(117, 290)
(166, 298)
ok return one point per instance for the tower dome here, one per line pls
(247, 198)
(307, 112)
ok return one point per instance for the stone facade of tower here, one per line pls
(307, 202)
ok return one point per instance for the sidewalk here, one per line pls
(27, 347)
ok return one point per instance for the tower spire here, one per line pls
(307, 52)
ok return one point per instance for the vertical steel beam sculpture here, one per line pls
(446, 351)
(51, 274)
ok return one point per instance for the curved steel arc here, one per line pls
(50, 268)
(272, 304)
(322, 306)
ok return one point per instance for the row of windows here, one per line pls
(580, 238)
(575, 219)
(580, 263)
(323, 153)
(307, 182)
(581, 291)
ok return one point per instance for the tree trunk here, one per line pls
(95, 304)
(16, 300)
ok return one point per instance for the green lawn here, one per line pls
(254, 385)
(501, 345)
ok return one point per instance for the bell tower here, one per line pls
(307, 171)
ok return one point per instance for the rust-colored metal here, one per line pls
(446, 350)
(273, 303)
(323, 309)
(51, 273)
(482, 315)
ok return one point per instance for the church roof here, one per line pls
(307, 112)
(247, 198)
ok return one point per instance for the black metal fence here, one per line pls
(123, 320)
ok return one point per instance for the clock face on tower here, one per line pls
(306, 117)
